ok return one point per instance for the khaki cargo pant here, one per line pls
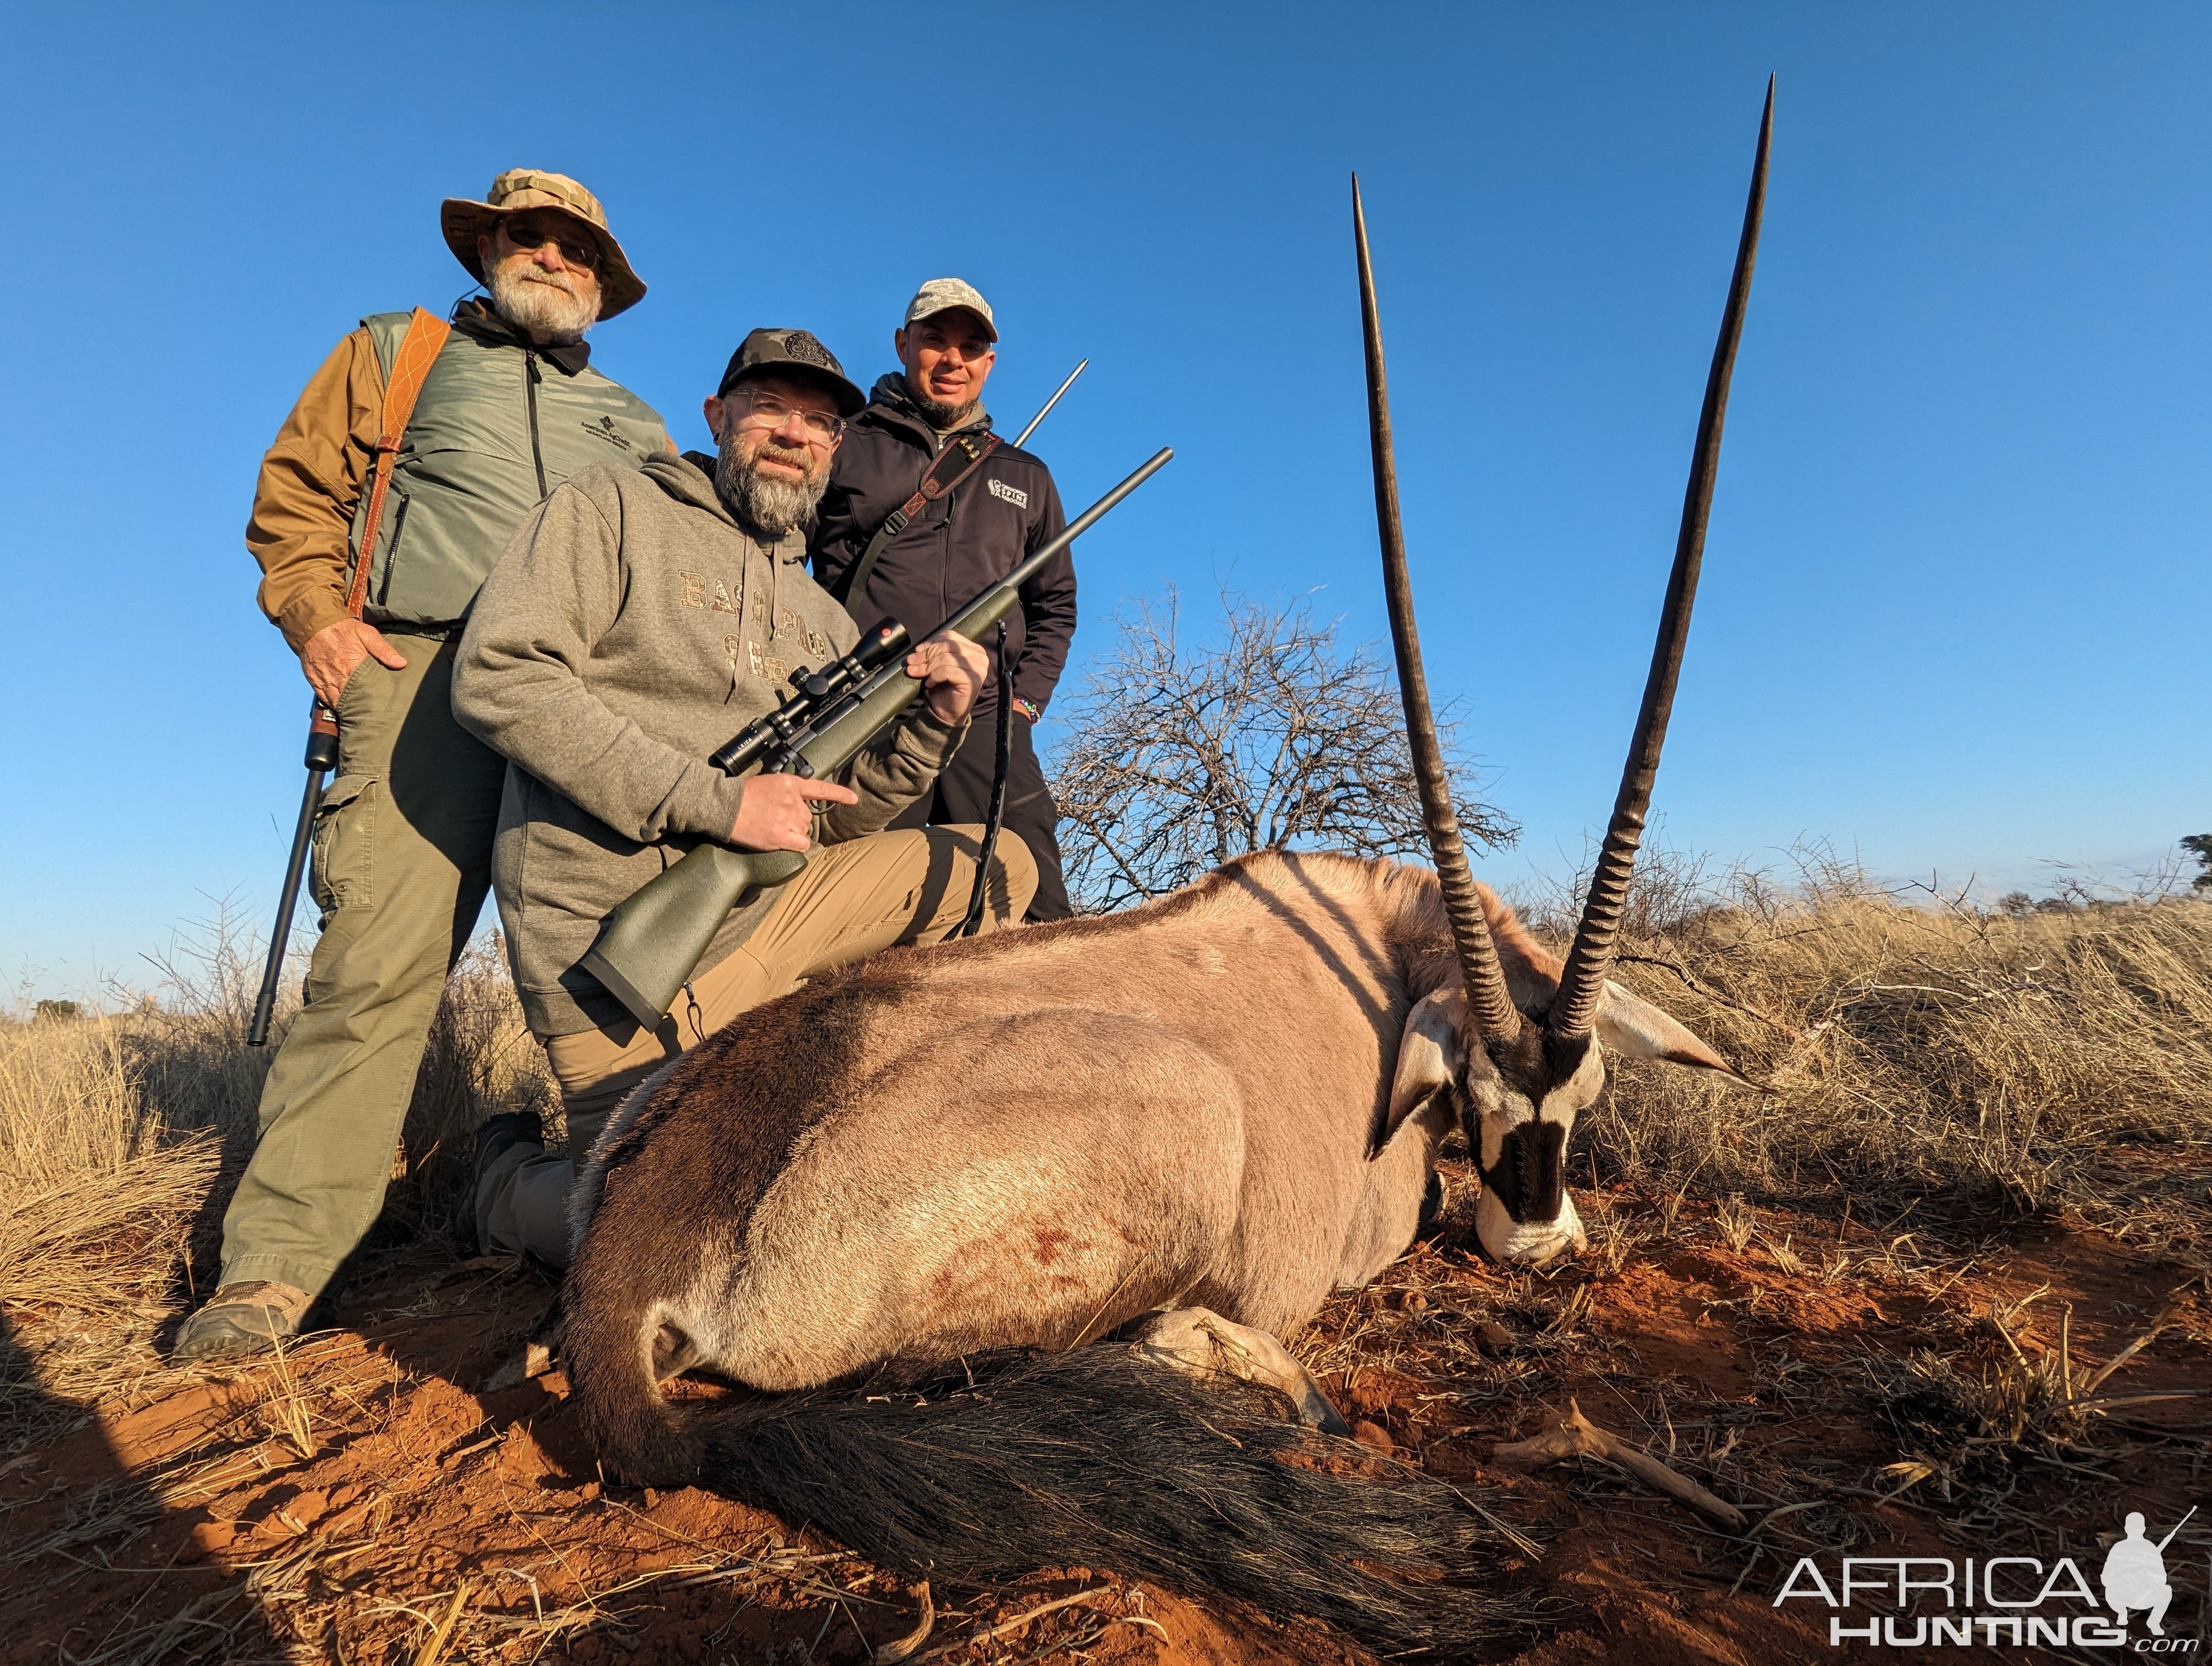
(850, 900)
(402, 862)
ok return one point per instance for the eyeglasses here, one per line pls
(768, 410)
(581, 253)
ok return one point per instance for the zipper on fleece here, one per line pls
(530, 378)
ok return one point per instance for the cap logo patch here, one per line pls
(1020, 500)
(799, 344)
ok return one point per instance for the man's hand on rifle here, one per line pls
(777, 812)
(332, 652)
(953, 669)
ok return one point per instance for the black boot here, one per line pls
(497, 1137)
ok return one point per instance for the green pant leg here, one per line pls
(403, 861)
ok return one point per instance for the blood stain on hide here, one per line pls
(1050, 1241)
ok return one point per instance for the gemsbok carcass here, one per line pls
(1182, 1126)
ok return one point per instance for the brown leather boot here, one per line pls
(242, 1319)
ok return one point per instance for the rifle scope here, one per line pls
(879, 646)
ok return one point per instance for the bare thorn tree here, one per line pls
(1271, 736)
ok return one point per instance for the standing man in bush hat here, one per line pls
(505, 406)
(881, 554)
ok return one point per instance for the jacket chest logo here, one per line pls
(1019, 499)
(744, 653)
(604, 430)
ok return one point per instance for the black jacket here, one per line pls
(955, 548)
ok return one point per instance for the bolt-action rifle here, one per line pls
(647, 949)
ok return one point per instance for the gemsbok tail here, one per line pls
(1097, 1458)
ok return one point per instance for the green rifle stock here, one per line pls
(649, 945)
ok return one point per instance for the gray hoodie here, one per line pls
(631, 627)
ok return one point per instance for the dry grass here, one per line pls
(121, 1134)
(1996, 1066)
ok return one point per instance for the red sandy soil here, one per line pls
(435, 1520)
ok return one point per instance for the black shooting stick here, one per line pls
(994, 818)
(322, 757)
(650, 944)
(1002, 760)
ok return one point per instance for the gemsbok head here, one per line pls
(1520, 1042)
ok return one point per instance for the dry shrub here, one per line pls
(2064, 1059)
(1266, 734)
(122, 1134)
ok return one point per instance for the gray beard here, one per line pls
(543, 311)
(771, 508)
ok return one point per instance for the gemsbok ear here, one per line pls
(1430, 1055)
(1636, 1029)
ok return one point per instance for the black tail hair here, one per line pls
(1095, 1457)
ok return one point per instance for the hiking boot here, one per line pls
(241, 1319)
(497, 1137)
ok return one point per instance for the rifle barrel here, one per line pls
(280, 934)
(1076, 528)
(1045, 410)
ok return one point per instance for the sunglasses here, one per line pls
(530, 237)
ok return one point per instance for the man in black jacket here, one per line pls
(987, 506)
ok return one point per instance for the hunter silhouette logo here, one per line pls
(2013, 1601)
(2134, 1574)
(605, 429)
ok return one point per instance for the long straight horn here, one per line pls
(1574, 1010)
(1488, 997)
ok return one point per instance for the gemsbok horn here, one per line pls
(1527, 1084)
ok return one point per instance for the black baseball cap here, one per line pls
(792, 353)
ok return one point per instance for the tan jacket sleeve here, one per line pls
(310, 482)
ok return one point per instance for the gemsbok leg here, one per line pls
(1199, 1343)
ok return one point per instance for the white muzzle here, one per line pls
(1527, 1242)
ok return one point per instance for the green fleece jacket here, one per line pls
(630, 628)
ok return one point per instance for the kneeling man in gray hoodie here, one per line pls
(637, 621)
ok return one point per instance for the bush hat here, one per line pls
(792, 353)
(464, 220)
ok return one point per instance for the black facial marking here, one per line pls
(1529, 1176)
(1562, 1058)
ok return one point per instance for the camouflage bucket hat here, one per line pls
(464, 220)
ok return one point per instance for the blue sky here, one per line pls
(1953, 615)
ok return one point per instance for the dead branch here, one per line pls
(1016, 1623)
(1575, 1436)
(904, 1647)
(1698, 985)
(2122, 1357)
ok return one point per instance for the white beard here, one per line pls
(539, 306)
